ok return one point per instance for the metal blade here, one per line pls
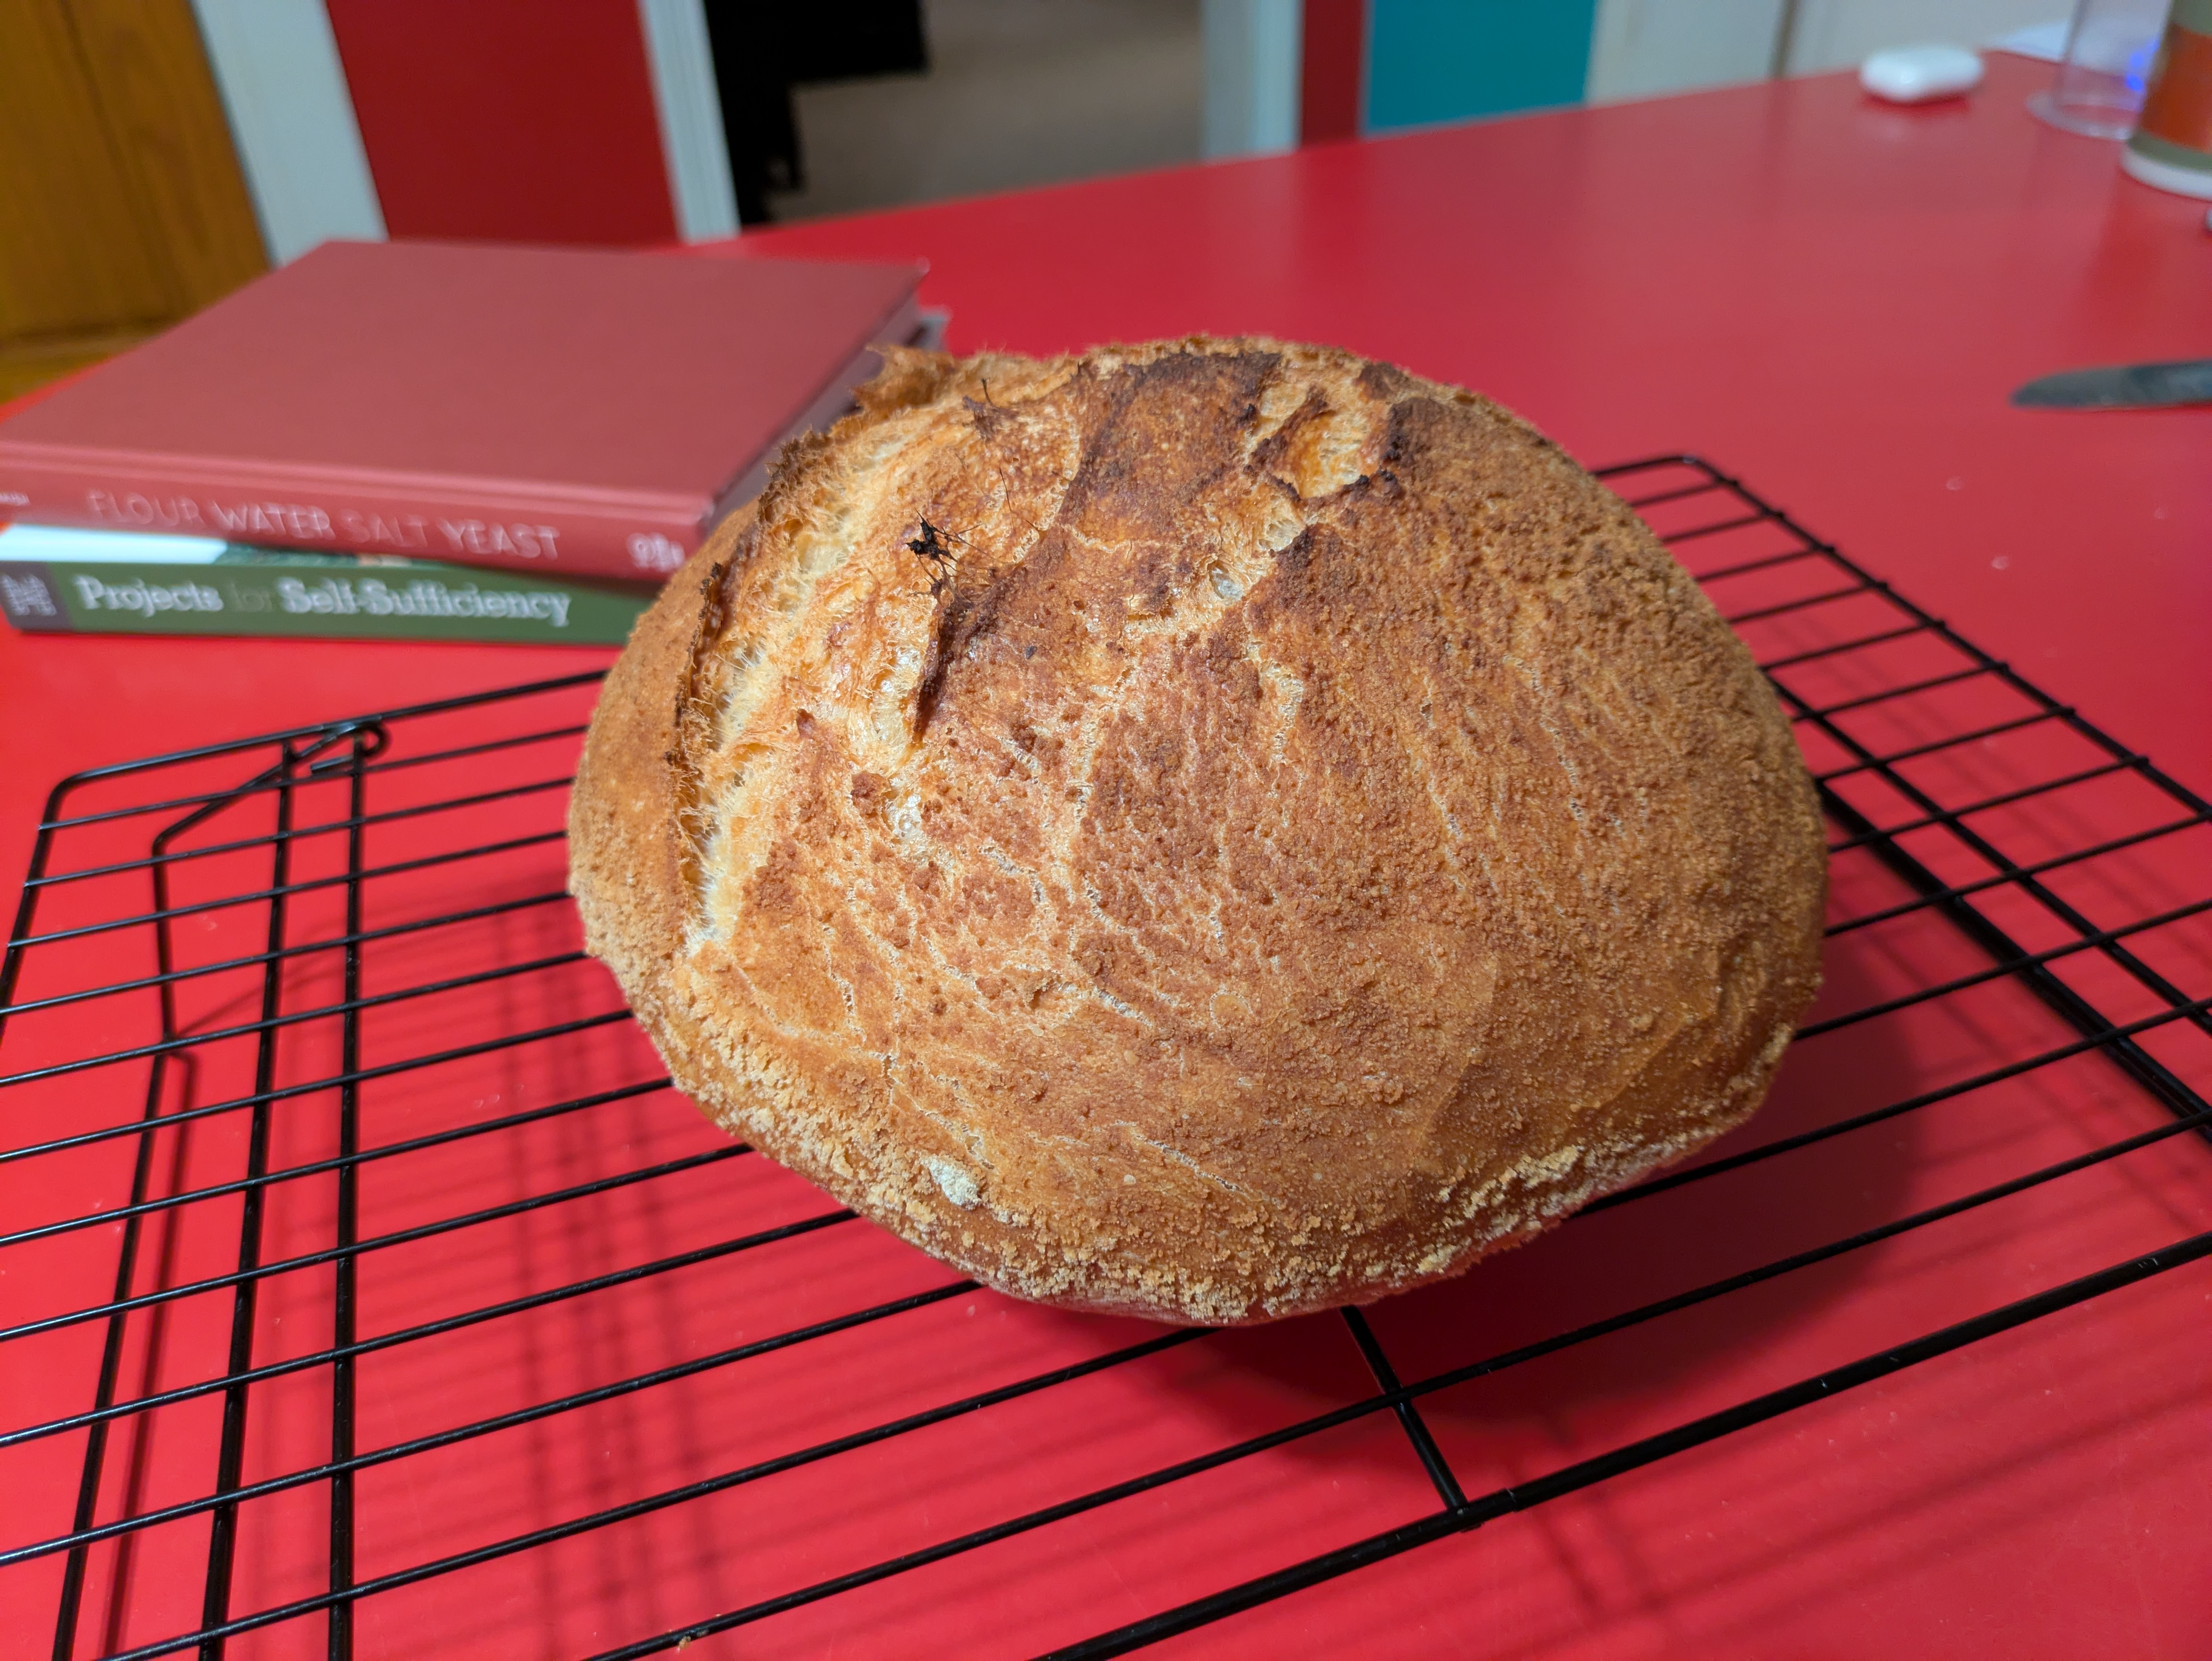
(2122, 387)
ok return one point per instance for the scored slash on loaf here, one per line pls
(1208, 830)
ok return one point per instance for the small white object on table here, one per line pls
(1919, 75)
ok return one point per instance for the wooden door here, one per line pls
(122, 207)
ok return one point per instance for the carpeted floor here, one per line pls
(1019, 92)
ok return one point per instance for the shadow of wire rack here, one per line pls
(366, 1285)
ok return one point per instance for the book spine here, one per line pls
(602, 543)
(313, 601)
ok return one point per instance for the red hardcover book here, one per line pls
(587, 412)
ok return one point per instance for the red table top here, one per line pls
(1830, 299)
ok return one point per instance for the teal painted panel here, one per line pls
(1446, 60)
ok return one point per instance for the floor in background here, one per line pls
(27, 365)
(1019, 92)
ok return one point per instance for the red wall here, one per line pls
(1333, 69)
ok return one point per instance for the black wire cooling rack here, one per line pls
(364, 1277)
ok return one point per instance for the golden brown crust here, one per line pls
(1210, 829)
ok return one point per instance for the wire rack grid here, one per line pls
(366, 1286)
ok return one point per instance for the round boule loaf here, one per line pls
(1208, 830)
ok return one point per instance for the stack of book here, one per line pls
(430, 441)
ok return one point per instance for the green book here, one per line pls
(120, 582)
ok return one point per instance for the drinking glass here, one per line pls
(2098, 87)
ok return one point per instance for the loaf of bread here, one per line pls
(1208, 830)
